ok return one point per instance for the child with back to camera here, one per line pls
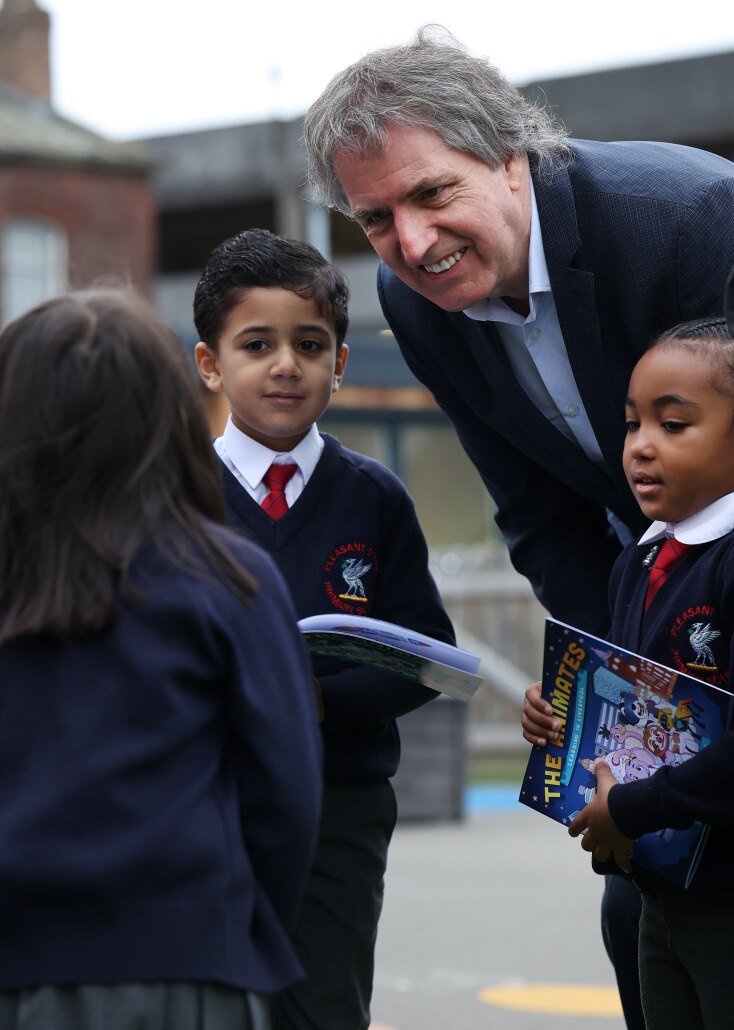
(679, 462)
(272, 317)
(153, 840)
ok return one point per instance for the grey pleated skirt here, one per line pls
(156, 1006)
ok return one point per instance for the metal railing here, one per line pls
(497, 616)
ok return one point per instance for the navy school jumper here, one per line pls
(160, 783)
(353, 522)
(700, 589)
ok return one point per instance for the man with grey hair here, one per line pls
(523, 274)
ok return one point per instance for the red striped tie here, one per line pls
(275, 480)
(670, 554)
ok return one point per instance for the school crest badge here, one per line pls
(351, 571)
(699, 637)
(694, 651)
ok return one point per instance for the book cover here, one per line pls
(366, 641)
(637, 715)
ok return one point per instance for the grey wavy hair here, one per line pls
(431, 82)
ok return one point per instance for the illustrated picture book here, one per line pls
(366, 641)
(637, 715)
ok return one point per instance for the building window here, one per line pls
(33, 262)
(452, 503)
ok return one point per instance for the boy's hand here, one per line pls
(600, 834)
(539, 725)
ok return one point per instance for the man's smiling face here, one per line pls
(452, 228)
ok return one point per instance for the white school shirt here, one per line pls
(710, 523)
(248, 461)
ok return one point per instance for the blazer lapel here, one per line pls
(508, 408)
(599, 380)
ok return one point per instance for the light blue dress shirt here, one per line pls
(536, 351)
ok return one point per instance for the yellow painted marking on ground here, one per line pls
(556, 999)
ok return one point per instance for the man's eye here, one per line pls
(433, 192)
(372, 219)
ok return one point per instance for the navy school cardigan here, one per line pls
(159, 788)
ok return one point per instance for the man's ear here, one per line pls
(208, 367)
(516, 170)
(339, 365)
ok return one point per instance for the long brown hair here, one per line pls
(103, 442)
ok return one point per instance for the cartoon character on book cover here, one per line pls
(635, 714)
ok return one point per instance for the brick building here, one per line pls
(75, 208)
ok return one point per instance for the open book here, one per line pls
(357, 638)
(634, 713)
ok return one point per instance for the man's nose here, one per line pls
(415, 233)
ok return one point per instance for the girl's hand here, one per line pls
(539, 725)
(598, 831)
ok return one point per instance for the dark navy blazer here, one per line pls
(637, 237)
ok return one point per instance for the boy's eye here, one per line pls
(309, 345)
(256, 345)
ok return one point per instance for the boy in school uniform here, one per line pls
(272, 317)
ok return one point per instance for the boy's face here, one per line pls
(679, 449)
(277, 363)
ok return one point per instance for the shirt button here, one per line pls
(535, 334)
(572, 409)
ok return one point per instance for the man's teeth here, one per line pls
(447, 263)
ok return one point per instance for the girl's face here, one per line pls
(679, 450)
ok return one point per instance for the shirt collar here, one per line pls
(252, 459)
(710, 523)
(494, 309)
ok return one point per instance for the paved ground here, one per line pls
(499, 910)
